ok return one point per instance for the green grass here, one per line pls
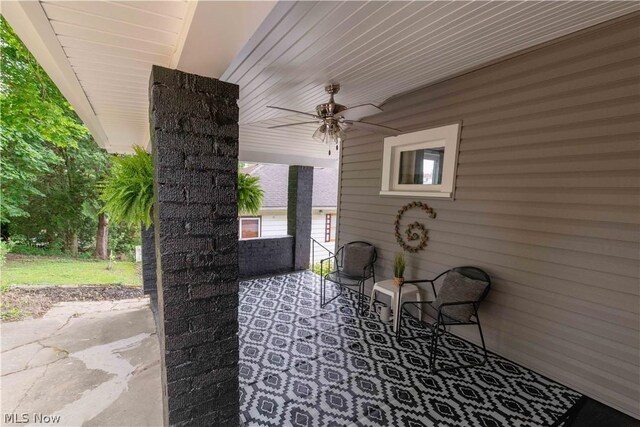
(34, 271)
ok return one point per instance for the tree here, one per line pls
(102, 237)
(36, 120)
(49, 163)
(66, 208)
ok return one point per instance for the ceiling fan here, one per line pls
(335, 118)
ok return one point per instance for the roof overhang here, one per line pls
(279, 53)
(100, 54)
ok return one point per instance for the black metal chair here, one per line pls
(446, 318)
(353, 265)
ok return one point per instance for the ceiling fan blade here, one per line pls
(371, 127)
(359, 111)
(294, 111)
(292, 124)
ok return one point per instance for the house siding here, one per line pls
(547, 201)
(274, 224)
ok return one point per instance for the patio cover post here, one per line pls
(300, 195)
(194, 128)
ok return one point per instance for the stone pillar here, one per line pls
(149, 285)
(194, 131)
(299, 213)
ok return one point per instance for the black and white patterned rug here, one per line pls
(301, 365)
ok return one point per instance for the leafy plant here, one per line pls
(399, 265)
(11, 314)
(250, 194)
(127, 192)
(327, 267)
(123, 239)
(5, 248)
(55, 249)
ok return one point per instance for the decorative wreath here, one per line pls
(415, 231)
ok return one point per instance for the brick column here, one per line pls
(194, 128)
(149, 285)
(299, 213)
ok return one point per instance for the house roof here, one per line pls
(274, 180)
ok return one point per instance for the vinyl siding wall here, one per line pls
(547, 201)
(274, 224)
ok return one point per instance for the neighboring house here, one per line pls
(271, 220)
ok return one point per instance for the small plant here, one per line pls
(11, 314)
(326, 267)
(5, 248)
(399, 265)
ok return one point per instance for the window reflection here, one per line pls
(421, 166)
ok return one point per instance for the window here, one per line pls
(250, 227)
(421, 164)
(329, 235)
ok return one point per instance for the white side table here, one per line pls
(388, 288)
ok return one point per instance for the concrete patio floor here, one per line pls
(90, 363)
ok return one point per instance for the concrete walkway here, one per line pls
(88, 363)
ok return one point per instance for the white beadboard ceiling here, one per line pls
(376, 50)
(111, 47)
(100, 54)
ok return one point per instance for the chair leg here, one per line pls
(361, 299)
(432, 363)
(323, 294)
(398, 329)
(484, 347)
(435, 336)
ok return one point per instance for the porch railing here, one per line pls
(319, 249)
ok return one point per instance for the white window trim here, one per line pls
(259, 218)
(443, 136)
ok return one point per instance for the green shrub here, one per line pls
(26, 249)
(326, 268)
(123, 239)
(5, 248)
(10, 314)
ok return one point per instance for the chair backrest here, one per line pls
(476, 274)
(354, 257)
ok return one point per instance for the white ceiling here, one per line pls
(100, 54)
(376, 50)
(111, 47)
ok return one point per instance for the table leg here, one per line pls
(372, 299)
(396, 310)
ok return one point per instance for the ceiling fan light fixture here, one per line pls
(319, 134)
(333, 118)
